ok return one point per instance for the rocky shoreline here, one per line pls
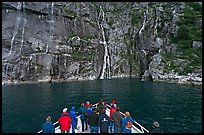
(190, 79)
(193, 79)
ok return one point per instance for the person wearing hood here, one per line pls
(65, 121)
(155, 128)
(117, 118)
(72, 115)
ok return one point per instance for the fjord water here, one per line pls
(177, 108)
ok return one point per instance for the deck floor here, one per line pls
(79, 126)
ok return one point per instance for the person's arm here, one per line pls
(123, 123)
(133, 121)
(79, 112)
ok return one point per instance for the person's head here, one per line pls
(112, 105)
(64, 110)
(82, 104)
(48, 119)
(155, 124)
(87, 102)
(127, 114)
(113, 101)
(104, 110)
(101, 100)
(73, 108)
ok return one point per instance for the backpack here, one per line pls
(129, 125)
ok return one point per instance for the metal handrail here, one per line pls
(142, 128)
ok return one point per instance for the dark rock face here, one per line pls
(60, 41)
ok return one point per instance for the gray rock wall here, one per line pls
(60, 41)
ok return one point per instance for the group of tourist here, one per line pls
(94, 118)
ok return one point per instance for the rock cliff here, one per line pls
(61, 41)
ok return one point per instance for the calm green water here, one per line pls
(178, 109)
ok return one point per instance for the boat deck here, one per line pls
(137, 128)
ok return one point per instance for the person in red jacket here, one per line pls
(65, 121)
(87, 105)
(112, 110)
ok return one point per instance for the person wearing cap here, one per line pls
(127, 123)
(155, 128)
(72, 114)
(112, 110)
(65, 121)
(48, 127)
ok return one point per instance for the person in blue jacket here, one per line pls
(104, 122)
(83, 118)
(72, 115)
(127, 123)
(48, 127)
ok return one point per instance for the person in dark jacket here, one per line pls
(93, 121)
(101, 105)
(104, 122)
(48, 127)
(117, 117)
(83, 118)
(72, 115)
(65, 121)
(155, 128)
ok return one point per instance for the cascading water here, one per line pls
(144, 22)
(13, 48)
(106, 59)
(50, 25)
(18, 19)
(143, 53)
(24, 23)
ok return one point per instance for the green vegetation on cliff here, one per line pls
(188, 32)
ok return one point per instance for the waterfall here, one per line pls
(106, 58)
(155, 27)
(144, 21)
(15, 30)
(143, 53)
(50, 25)
(22, 37)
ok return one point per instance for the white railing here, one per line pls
(141, 130)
